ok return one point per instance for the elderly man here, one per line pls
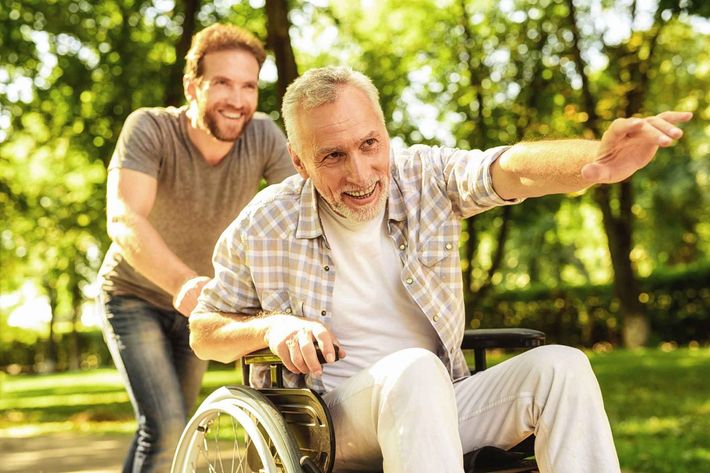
(359, 254)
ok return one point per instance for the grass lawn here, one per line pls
(659, 407)
(658, 403)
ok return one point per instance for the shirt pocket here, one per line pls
(276, 301)
(313, 309)
(435, 250)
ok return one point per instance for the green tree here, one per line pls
(70, 72)
(494, 73)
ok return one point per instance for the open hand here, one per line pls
(629, 144)
(292, 339)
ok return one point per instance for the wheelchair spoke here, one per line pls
(235, 445)
(243, 458)
(216, 442)
(209, 452)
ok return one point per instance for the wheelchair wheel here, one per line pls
(236, 429)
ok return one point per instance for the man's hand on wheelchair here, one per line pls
(185, 300)
(294, 340)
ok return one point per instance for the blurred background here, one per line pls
(626, 265)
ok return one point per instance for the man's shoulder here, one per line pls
(273, 212)
(262, 118)
(155, 121)
(156, 114)
(414, 154)
(409, 163)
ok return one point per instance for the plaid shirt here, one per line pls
(275, 258)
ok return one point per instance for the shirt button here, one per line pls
(322, 312)
(326, 267)
(402, 246)
(288, 311)
(448, 246)
(436, 317)
(410, 280)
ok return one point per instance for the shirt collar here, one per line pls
(309, 225)
(396, 209)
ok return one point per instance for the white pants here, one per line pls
(404, 414)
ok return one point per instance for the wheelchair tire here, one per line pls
(236, 429)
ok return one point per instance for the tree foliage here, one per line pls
(452, 72)
(71, 71)
(487, 73)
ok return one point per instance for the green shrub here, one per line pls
(677, 305)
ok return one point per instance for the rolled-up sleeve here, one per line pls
(232, 289)
(467, 179)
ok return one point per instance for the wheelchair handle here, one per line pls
(267, 357)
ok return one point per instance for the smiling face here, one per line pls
(344, 149)
(226, 94)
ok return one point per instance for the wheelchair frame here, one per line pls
(290, 428)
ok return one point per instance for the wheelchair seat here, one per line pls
(300, 438)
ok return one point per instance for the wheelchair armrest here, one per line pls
(502, 338)
(481, 339)
(263, 356)
(477, 340)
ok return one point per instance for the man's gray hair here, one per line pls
(318, 87)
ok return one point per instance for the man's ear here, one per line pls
(297, 163)
(189, 85)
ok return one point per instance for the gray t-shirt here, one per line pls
(194, 201)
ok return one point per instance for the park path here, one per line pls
(63, 453)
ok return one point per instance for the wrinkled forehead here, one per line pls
(347, 121)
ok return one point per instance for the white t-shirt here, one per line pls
(373, 315)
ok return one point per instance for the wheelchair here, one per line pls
(288, 430)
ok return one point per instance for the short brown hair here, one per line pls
(219, 37)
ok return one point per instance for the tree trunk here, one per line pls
(469, 254)
(279, 41)
(173, 88)
(73, 353)
(618, 228)
(477, 139)
(534, 263)
(635, 327)
(498, 255)
(50, 362)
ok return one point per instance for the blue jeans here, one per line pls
(150, 348)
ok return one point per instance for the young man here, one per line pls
(360, 252)
(177, 178)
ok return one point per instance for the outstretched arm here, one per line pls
(552, 167)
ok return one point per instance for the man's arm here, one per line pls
(130, 198)
(552, 167)
(228, 337)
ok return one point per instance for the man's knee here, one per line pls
(560, 362)
(415, 372)
(416, 362)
